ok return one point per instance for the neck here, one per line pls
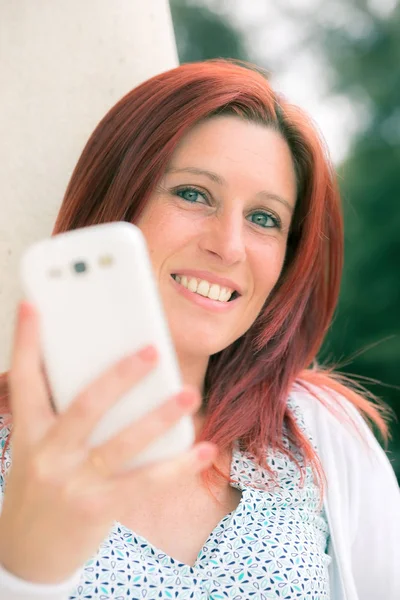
(193, 370)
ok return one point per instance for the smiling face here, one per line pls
(221, 215)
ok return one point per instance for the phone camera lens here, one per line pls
(80, 267)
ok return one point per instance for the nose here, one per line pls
(224, 238)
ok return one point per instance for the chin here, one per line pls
(198, 339)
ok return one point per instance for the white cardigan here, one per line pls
(362, 504)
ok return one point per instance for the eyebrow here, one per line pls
(220, 181)
(213, 176)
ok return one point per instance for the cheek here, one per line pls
(267, 269)
(165, 233)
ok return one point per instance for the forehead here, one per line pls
(238, 150)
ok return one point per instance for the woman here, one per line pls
(232, 189)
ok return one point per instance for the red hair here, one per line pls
(247, 385)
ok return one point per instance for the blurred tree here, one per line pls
(367, 69)
(362, 50)
(201, 33)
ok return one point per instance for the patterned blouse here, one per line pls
(273, 545)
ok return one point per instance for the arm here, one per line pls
(362, 500)
(14, 588)
(375, 550)
(57, 505)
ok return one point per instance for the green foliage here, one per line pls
(201, 34)
(368, 70)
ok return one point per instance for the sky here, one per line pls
(305, 78)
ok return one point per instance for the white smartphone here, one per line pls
(98, 300)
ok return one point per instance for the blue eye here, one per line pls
(265, 220)
(190, 194)
(261, 218)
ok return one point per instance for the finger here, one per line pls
(75, 425)
(122, 448)
(30, 404)
(197, 459)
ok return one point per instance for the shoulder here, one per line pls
(333, 419)
(355, 465)
(351, 456)
(362, 496)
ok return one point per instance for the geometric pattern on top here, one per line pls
(273, 545)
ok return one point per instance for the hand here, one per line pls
(62, 498)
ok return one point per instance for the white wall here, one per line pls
(63, 63)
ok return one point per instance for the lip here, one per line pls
(202, 301)
(211, 278)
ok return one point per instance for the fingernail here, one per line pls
(186, 399)
(24, 309)
(149, 354)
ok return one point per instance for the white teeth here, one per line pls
(204, 288)
(192, 285)
(213, 294)
(224, 295)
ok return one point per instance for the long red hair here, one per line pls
(247, 385)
